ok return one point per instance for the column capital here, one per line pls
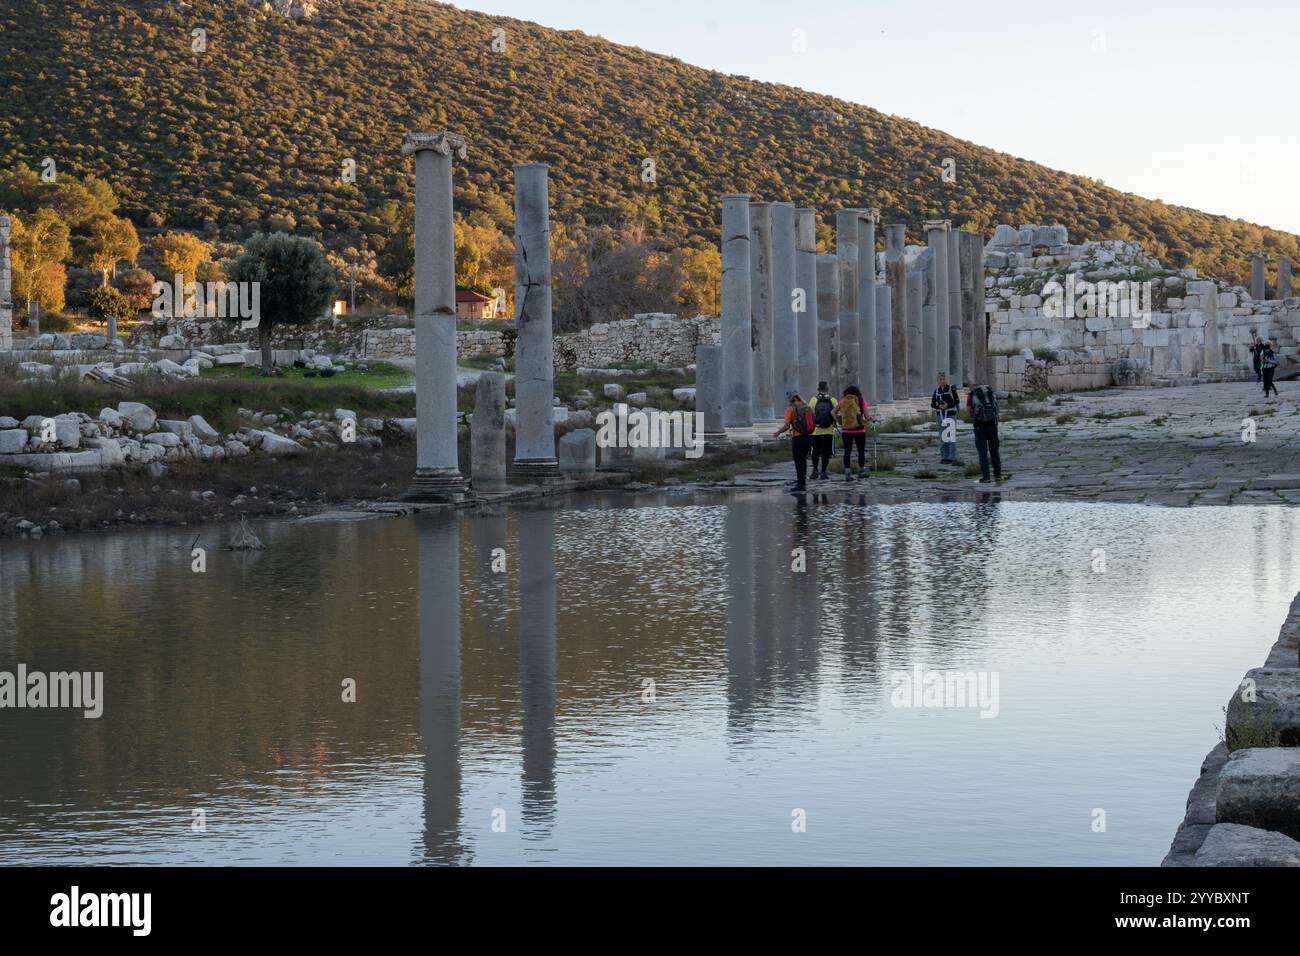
(444, 144)
(736, 197)
(1257, 254)
(872, 215)
(941, 225)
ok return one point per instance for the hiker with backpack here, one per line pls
(945, 400)
(851, 414)
(983, 407)
(799, 423)
(823, 439)
(1256, 358)
(1268, 365)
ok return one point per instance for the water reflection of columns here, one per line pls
(536, 570)
(738, 547)
(439, 581)
(491, 588)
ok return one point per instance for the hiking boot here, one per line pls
(862, 474)
(848, 474)
(1001, 478)
(986, 481)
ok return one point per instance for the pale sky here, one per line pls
(1190, 102)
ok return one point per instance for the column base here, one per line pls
(741, 434)
(537, 469)
(436, 485)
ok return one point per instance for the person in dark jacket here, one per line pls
(983, 407)
(945, 400)
(799, 423)
(1256, 354)
(1268, 365)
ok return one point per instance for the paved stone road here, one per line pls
(1168, 446)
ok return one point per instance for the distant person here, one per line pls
(1256, 358)
(799, 423)
(945, 401)
(1268, 365)
(823, 440)
(983, 407)
(851, 414)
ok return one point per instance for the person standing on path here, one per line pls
(1256, 353)
(1268, 365)
(851, 413)
(945, 400)
(799, 423)
(823, 430)
(983, 407)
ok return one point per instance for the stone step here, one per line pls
(1260, 787)
(1274, 709)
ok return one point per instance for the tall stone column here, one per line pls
(928, 264)
(867, 304)
(1210, 341)
(785, 328)
(487, 434)
(846, 258)
(966, 265)
(1257, 287)
(828, 322)
(762, 397)
(437, 473)
(980, 346)
(805, 227)
(6, 299)
(737, 346)
(1283, 279)
(936, 237)
(534, 346)
(954, 308)
(884, 346)
(915, 332)
(896, 279)
(708, 390)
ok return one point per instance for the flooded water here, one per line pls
(646, 680)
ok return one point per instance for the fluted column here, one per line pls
(954, 308)
(737, 354)
(762, 397)
(534, 344)
(846, 257)
(936, 237)
(437, 472)
(1257, 285)
(896, 279)
(785, 329)
(828, 322)
(805, 225)
(867, 304)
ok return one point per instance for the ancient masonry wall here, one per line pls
(1090, 351)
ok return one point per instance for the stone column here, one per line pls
(1257, 288)
(6, 300)
(846, 259)
(884, 346)
(954, 308)
(785, 328)
(867, 304)
(762, 398)
(828, 322)
(1283, 279)
(928, 265)
(437, 474)
(33, 319)
(980, 344)
(487, 434)
(896, 279)
(534, 346)
(915, 292)
(737, 348)
(708, 390)
(967, 267)
(805, 227)
(936, 237)
(1210, 341)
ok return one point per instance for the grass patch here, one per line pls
(1254, 731)
(374, 375)
(1065, 418)
(972, 470)
(1118, 413)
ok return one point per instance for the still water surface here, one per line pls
(641, 684)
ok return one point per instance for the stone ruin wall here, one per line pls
(1093, 352)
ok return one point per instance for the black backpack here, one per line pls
(822, 412)
(984, 405)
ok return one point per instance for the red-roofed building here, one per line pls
(474, 305)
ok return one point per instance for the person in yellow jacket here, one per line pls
(823, 436)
